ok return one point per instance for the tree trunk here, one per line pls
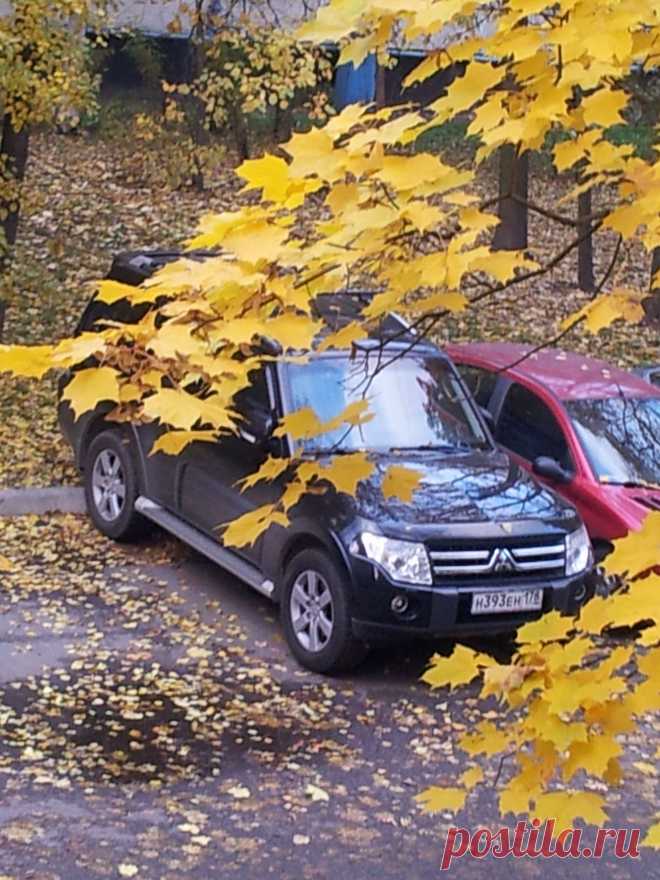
(585, 247)
(381, 96)
(652, 302)
(195, 106)
(511, 234)
(282, 125)
(238, 125)
(13, 157)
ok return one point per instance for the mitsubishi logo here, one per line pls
(502, 561)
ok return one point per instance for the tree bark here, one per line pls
(238, 126)
(585, 248)
(381, 95)
(13, 156)
(511, 234)
(652, 302)
(195, 107)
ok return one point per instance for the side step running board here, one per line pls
(241, 569)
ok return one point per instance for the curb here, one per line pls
(55, 499)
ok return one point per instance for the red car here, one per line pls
(589, 430)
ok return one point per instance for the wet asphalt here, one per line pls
(155, 726)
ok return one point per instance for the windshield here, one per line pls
(620, 436)
(416, 403)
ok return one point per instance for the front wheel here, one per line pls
(315, 614)
(111, 487)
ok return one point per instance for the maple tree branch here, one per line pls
(558, 218)
(504, 758)
(610, 267)
(535, 273)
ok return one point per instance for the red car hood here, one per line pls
(632, 503)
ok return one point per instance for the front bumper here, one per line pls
(444, 611)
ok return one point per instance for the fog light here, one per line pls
(399, 604)
(580, 593)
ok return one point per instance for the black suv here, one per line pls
(481, 548)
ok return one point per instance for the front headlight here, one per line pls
(401, 560)
(578, 551)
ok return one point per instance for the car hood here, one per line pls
(476, 487)
(632, 503)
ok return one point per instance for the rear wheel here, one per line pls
(111, 487)
(315, 614)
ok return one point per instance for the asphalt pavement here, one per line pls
(154, 726)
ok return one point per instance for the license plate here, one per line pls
(503, 601)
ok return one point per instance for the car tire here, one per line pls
(111, 487)
(315, 613)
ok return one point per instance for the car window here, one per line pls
(528, 427)
(479, 381)
(621, 437)
(415, 403)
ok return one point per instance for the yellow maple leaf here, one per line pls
(596, 615)
(621, 304)
(293, 330)
(604, 107)
(270, 236)
(502, 265)
(90, 387)
(32, 361)
(299, 424)
(126, 870)
(459, 668)
(549, 628)
(269, 470)
(487, 740)
(471, 777)
(592, 756)
(638, 551)
(550, 727)
(173, 407)
(244, 530)
(566, 806)
(346, 471)
(270, 174)
(567, 153)
(436, 799)
(652, 837)
(400, 482)
(501, 678)
(343, 338)
(173, 442)
(514, 799)
(5, 564)
(408, 172)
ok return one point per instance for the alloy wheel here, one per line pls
(108, 485)
(311, 611)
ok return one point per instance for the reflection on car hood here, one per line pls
(474, 487)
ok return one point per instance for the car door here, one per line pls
(208, 477)
(527, 427)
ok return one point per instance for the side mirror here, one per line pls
(257, 427)
(545, 466)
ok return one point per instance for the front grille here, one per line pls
(504, 560)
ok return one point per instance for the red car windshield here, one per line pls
(621, 438)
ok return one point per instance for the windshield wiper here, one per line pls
(443, 447)
(631, 484)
